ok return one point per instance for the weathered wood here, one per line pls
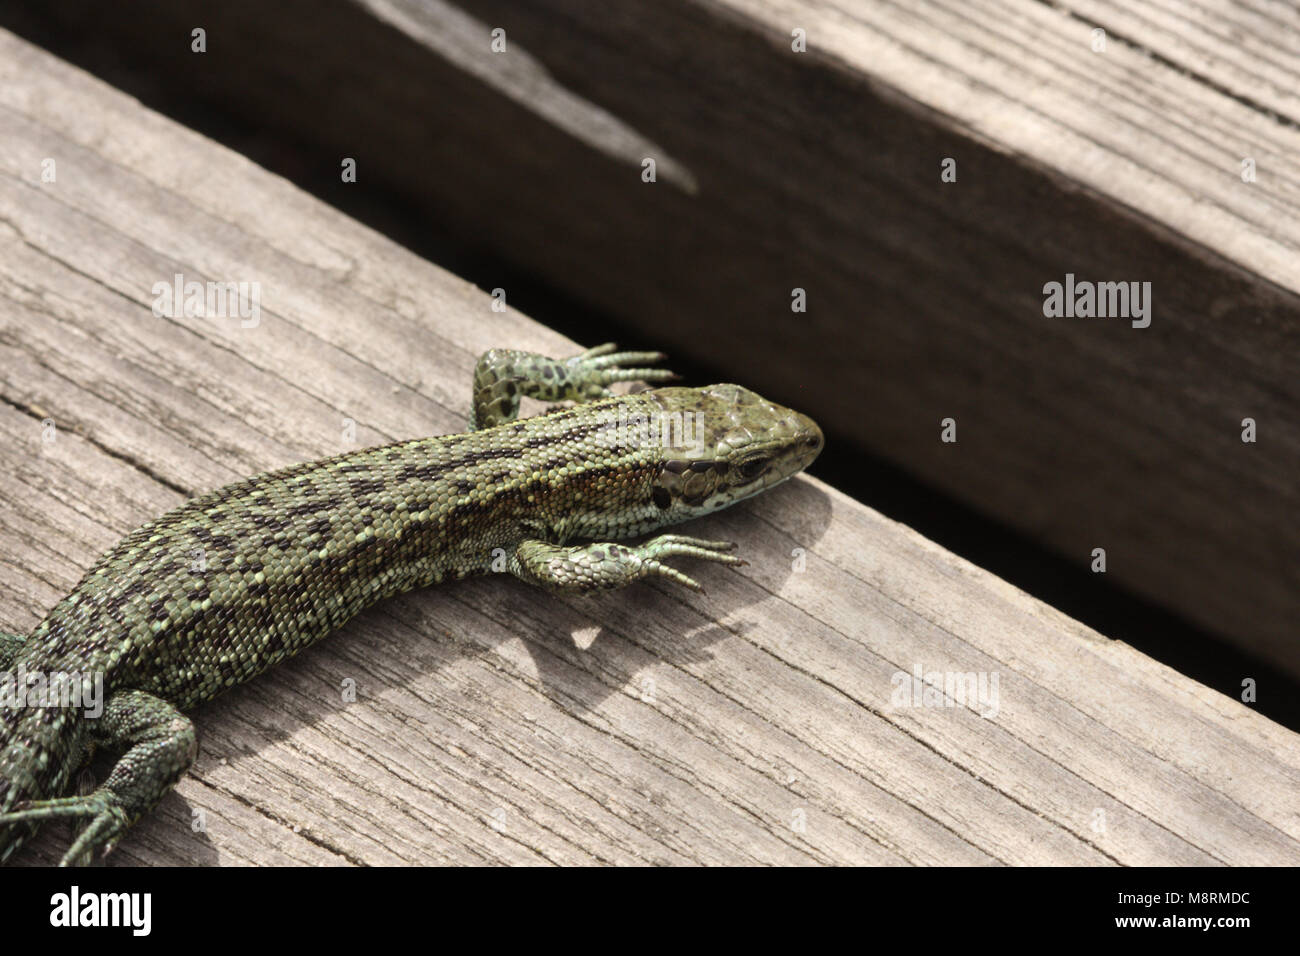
(492, 722)
(820, 170)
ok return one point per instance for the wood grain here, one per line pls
(820, 170)
(494, 723)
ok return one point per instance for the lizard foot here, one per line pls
(611, 565)
(591, 372)
(678, 545)
(109, 819)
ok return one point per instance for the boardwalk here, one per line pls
(769, 722)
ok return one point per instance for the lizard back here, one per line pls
(235, 580)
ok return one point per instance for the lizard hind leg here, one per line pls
(160, 746)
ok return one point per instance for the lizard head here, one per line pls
(722, 444)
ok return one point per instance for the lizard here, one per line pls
(291, 555)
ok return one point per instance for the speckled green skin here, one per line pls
(235, 581)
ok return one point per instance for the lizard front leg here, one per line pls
(608, 565)
(502, 376)
(160, 746)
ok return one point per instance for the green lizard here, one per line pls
(290, 555)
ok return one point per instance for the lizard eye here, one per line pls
(751, 468)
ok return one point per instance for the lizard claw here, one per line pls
(677, 545)
(594, 370)
(108, 821)
(105, 828)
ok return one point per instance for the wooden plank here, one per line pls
(1115, 166)
(821, 171)
(495, 723)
